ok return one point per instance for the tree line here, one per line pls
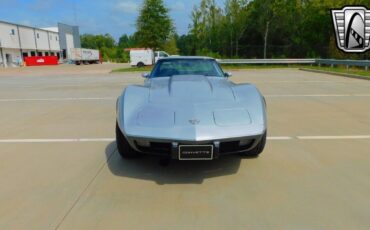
(237, 29)
(155, 29)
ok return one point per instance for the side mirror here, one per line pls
(228, 74)
(145, 75)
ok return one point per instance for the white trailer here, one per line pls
(141, 57)
(84, 56)
(145, 57)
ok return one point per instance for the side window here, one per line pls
(162, 54)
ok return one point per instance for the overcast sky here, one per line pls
(116, 17)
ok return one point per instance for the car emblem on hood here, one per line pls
(194, 121)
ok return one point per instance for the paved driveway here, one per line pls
(59, 167)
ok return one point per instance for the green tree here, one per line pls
(171, 45)
(236, 22)
(127, 41)
(205, 27)
(267, 13)
(197, 29)
(154, 26)
(185, 45)
(97, 41)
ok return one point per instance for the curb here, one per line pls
(336, 73)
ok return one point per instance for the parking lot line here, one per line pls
(111, 139)
(306, 81)
(333, 137)
(58, 99)
(114, 98)
(317, 95)
(57, 140)
(279, 138)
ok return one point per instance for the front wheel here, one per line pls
(140, 64)
(256, 151)
(124, 148)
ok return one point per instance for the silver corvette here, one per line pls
(187, 109)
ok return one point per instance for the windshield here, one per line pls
(170, 67)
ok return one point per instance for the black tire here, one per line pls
(256, 151)
(140, 64)
(124, 148)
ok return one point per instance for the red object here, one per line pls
(41, 60)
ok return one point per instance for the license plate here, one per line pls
(195, 152)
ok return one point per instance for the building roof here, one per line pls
(31, 27)
(52, 29)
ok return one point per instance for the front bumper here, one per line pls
(170, 148)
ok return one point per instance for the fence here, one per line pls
(319, 62)
(267, 61)
(347, 63)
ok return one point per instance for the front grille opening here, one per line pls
(155, 147)
(235, 146)
(162, 147)
(166, 148)
(230, 146)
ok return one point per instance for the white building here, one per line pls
(18, 41)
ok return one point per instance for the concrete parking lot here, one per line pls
(59, 166)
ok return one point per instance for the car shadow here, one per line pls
(164, 171)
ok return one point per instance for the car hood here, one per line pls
(185, 88)
(184, 100)
(191, 108)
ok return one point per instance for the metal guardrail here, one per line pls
(333, 62)
(330, 62)
(267, 61)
